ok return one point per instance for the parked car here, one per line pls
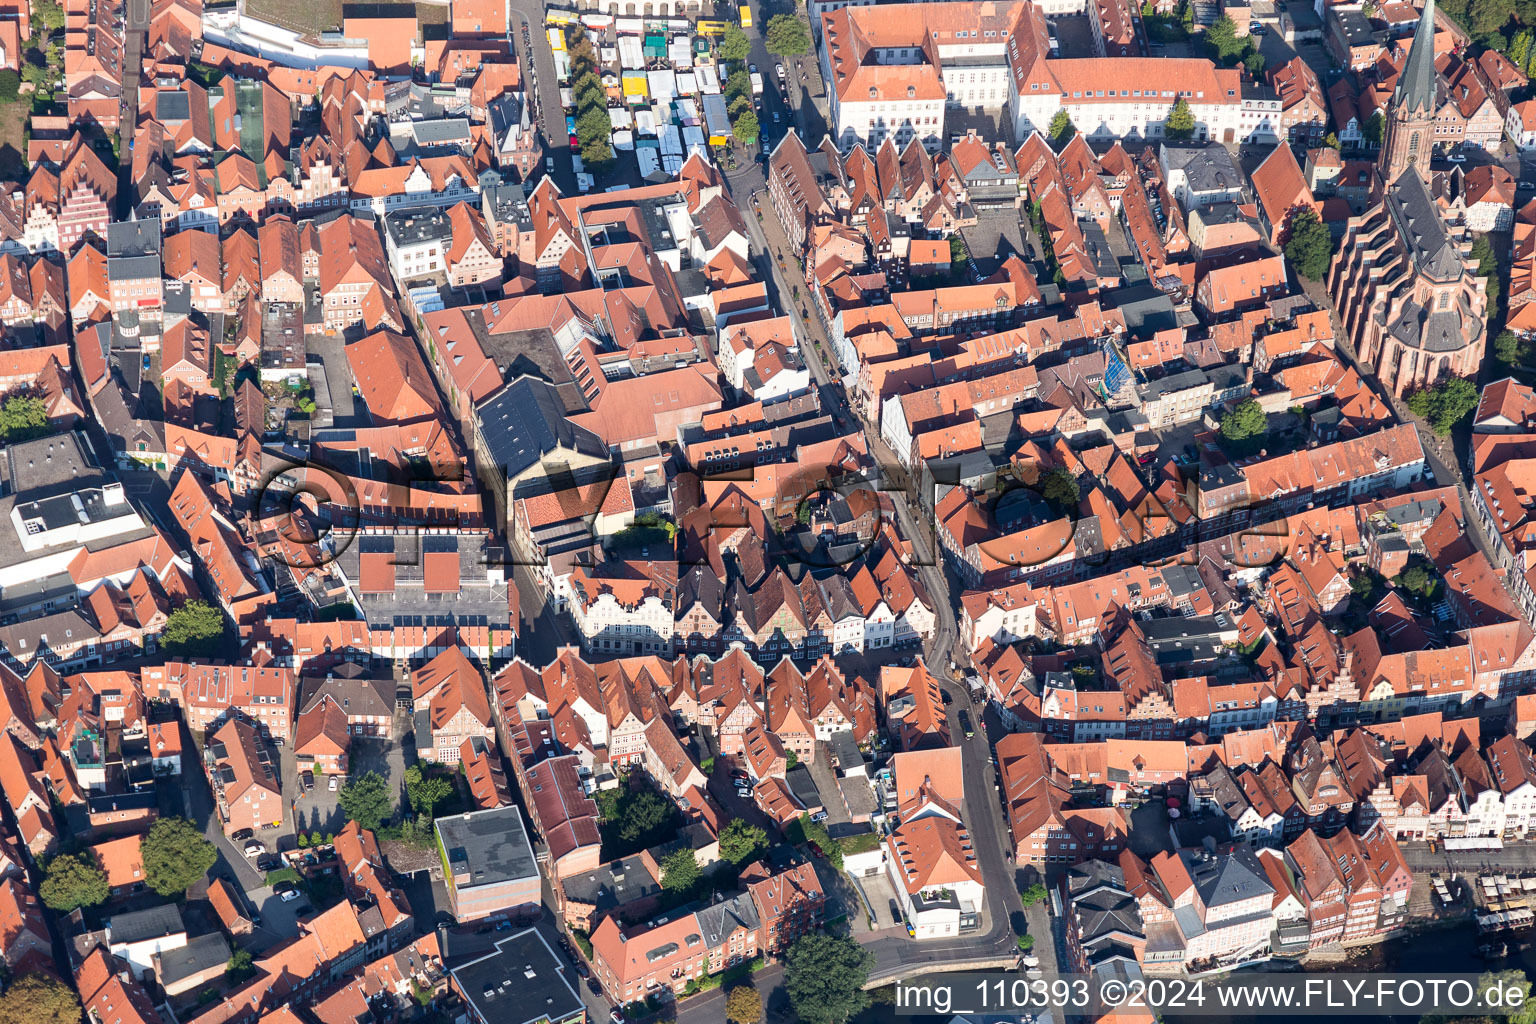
(819, 816)
(616, 1016)
(307, 780)
(254, 849)
(780, 70)
(288, 895)
(242, 835)
(965, 724)
(332, 786)
(949, 698)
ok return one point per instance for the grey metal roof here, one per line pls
(1226, 878)
(417, 226)
(1422, 229)
(522, 981)
(613, 884)
(441, 131)
(491, 845)
(203, 953)
(525, 421)
(719, 920)
(1209, 167)
(172, 106)
(133, 268)
(152, 923)
(134, 238)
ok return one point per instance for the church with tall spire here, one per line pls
(1408, 136)
(1403, 281)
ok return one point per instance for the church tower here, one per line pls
(1408, 137)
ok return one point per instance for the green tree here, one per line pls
(1310, 245)
(22, 418)
(789, 35)
(1416, 579)
(589, 92)
(746, 128)
(1223, 39)
(1255, 64)
(10, 86)
(1331, 140)
(49, 13)
(1372, 129)
(680, 871)
(825, 975)
(597, 156)
(1445, 404)
(742, 843)
(39, 77)
(1062, 129)
(1060, 488)
(1032, 895)
(426, 791)
(1245, 426)
(1366, 584)
(1026, 943)
(39, 999)
(1520, 48)
(735, 46)
(175, 855)
(1510, 350)
(1487, 267)
(239, 966)
(366, 800)
(74, 880)
(743, 1005)
(196, 629)
(1181, 121)
(592, 126)
(647, 815)
(739, 84)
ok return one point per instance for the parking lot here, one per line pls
(318, 810)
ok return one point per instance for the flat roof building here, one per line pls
(491, 869)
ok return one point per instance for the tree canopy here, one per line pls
(1418, 578)
(74, 880)
(1310, 245)
(741, 843)
(1372, 129)
(1059, 487)
(743, 1005)
(735, 46)
(175, 855)
(23, 417)
(789, 35)
(824, 976)
(1445, 404)
(1245, 426)
(367, 800)
(680, 871)
(426, 791)
(39, 999)
(746, 128)
(196, 629)
(634, 819)
(1181, 121)
(1062, 128)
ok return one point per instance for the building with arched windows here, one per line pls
(1403, 282)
